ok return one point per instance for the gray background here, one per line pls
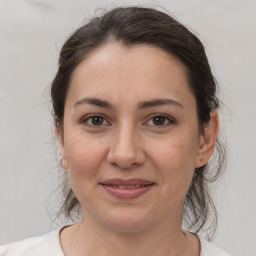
(31, 34)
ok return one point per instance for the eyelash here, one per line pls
(167, 118)
(85, 120)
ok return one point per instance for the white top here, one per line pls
(49, 245)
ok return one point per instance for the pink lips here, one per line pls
(127, 189)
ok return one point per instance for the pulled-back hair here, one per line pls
(146, 26)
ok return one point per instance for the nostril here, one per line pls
(125, 166)
(125, 153)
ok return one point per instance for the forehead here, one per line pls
(115, 71)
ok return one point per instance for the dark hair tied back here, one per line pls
(133, 26)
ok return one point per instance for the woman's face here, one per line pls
(131, 139)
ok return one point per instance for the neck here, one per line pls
(90, 238)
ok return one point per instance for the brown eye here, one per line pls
(95, 120)
(160, 121)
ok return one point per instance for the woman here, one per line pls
(136, 118)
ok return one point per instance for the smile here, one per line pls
(127, 189)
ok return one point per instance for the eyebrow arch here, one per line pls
(96, 102)
(141, 105)
(158, 102)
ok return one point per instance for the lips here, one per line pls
(129, 182)
(127, 189)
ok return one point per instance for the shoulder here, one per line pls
(209, 249)
(47, 244)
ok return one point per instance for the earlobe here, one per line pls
(60, 136)
(208, 139)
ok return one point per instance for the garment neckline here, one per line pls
(58, 231)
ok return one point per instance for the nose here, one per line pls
(126, 150)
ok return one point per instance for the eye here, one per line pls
(160, 121)
(95, 120)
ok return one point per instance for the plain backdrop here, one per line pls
(31, 35)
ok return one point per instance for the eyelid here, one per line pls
(87, 117)
(84, 120)
(170, 120)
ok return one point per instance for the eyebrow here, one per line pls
(96, 102)
(141, 105)
(158, 102)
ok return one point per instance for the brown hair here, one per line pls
(138, 25)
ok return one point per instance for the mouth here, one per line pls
(127, 189)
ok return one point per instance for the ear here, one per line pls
(207, 140)
(60, 135)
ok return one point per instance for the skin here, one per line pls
(129, 143)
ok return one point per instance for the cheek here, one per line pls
(84, 156)
(179, 154)
(175, 159)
